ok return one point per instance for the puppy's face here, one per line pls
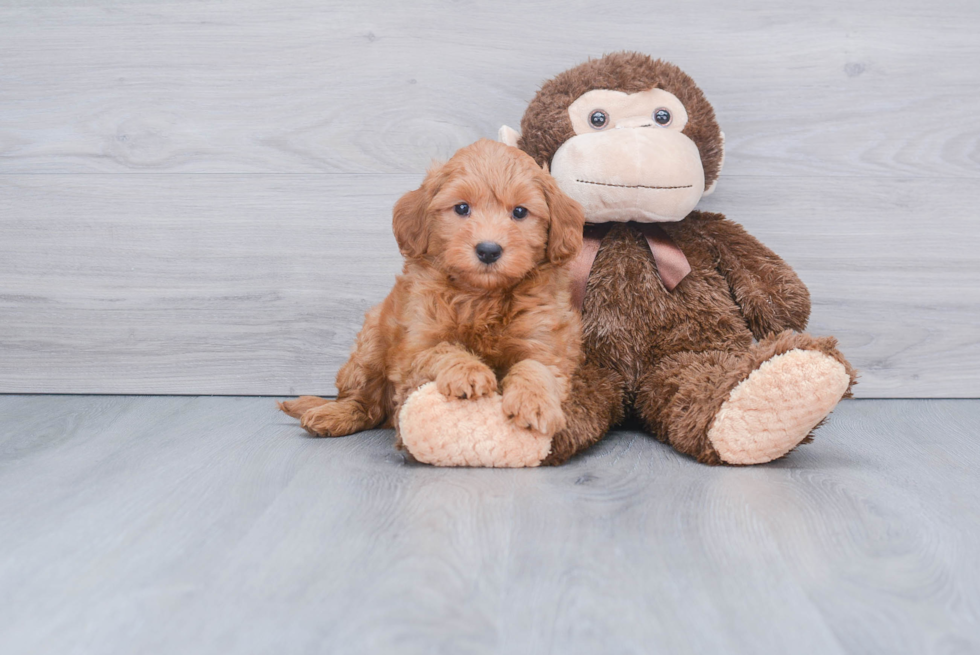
(489, 221)
(488, 216)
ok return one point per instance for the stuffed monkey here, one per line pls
(690, 324)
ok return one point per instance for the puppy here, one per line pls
(483, 301)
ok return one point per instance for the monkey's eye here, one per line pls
(520, 213)
(598, 119)
(661, 116)
(462, 209)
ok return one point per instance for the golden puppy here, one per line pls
(482, 302)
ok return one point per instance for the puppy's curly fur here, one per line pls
(469, 326)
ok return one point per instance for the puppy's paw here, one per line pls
(333, 419)
(533, 409)
(466, 379)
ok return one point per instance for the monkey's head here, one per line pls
(629, 137)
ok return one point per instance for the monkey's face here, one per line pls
(629, 159)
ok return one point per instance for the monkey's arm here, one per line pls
(772, 297)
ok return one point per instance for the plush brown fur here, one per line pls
(468, 326)
(672, 358)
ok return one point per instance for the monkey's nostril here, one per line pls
(488, 252)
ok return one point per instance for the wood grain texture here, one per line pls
(200, 525)
(258, 284)
(841, 89)
(194, 197)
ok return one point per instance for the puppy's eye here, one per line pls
(598, 119)
(520, 213)
(462, 209)
(662, 116)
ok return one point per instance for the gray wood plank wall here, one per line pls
(195, 197)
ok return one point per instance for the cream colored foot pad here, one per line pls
(774, 409)
(444, 432)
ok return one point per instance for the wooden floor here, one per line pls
(197, 524)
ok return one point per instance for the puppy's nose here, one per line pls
(488, 251)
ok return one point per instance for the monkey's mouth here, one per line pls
(635, 186)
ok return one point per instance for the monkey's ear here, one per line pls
(508, 136)
(409, 219)
(567, 223)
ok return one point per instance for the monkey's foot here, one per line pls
(775, 408)
(474, 432)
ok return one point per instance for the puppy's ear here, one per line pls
(409, 219)
(567, 222)
(408, 223)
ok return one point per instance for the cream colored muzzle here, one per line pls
(643, 174)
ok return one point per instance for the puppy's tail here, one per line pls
(296, 408)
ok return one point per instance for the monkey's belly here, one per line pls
(631, 322)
